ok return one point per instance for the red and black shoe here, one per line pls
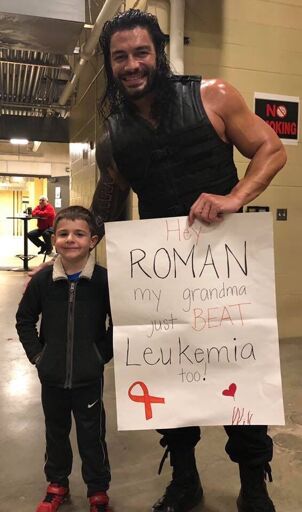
(99, 502)
(55, 496)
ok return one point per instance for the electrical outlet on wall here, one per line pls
(281, 214)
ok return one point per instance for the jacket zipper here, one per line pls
(70, 334)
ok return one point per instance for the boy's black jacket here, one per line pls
(73, 344)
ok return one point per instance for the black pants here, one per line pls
(87, 407)
(249, 444)
(34, 237)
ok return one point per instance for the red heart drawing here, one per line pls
(230, 391)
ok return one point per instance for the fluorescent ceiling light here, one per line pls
(19, 141)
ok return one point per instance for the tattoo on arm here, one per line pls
(111, 191)
(101, 203)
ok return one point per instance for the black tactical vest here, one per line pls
(171, 165)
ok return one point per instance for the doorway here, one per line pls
(16, 194)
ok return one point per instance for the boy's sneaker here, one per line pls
(55, 496)
(99, 502)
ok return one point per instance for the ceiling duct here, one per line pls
(47, 26)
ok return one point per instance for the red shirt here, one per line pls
(48, 213)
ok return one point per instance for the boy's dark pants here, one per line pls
(87, 407)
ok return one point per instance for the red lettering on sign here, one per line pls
(287, 128)
(283, 127)
(270, 110)
(293, 128)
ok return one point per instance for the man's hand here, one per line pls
(34, 270)
(211, 207)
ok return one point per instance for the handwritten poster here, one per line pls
(195, 329)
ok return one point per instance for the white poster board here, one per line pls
(195, 330)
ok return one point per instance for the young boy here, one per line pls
(70, 352)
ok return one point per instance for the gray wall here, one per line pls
(63, 183)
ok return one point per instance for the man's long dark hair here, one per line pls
(113, 98)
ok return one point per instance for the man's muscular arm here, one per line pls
(235, 123)
(111, 191)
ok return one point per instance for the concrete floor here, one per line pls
(12, 245)
(134, 456)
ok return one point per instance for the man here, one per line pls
(171, 140)
(46, 214)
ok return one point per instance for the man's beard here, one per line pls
(150, 86)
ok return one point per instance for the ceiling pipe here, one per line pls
(177, 23)
(109, 9)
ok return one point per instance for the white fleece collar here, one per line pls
(59, 272)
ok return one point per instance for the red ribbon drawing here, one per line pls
(146, 398)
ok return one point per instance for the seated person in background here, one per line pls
(47, 213)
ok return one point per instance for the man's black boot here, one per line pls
(184, 491)
(253, 495)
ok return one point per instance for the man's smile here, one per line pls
(134, 80)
